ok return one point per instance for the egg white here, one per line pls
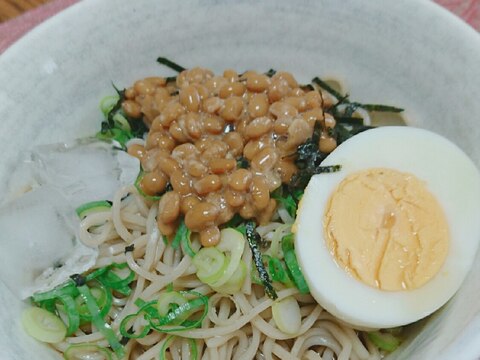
(448, 174)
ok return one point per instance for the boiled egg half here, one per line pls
(389, 238)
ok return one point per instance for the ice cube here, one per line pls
(85, 170)
(39, 242)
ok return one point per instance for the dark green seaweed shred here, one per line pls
(110, 130)
(380, 108)
(129, 248)
(253, 239)
(170, 64)
(242, 163)
(327, 88)
(308, 159)
(78, 279)
(271, 72)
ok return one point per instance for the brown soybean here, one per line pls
(171, 112)
(221, 166)
(169, 207)
(181, 182)
(257, 82)
(213, 124)
(136, 150)
(153, 182)
(210, 236)
(326, 143)
(188, 202)
(232, 108)
(208, 184)
(132, 108)
(234, 198)
(258, 105)
(231, 89)
(166, 229)
(258, 127)
(190, 98)
(240, 179)
(260, 192)
(201, 215)
(264, 160)
(235, 142)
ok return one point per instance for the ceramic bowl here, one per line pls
(407, 53)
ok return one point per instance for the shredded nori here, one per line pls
(326, 87)
(78, 279)
(170, 64)
(254, 239)
(271, 72)
(242, 163)
(129, 248)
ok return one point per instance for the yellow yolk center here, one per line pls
(386, 229)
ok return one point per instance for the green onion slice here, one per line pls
(231, 241)
(99, 322)
(92, 207)
(293, 269)
(43, 325)
(103, 298)
(169, 340)
(182, 233)
(70, 308)
(108, 103)
(87, 351)
(211, 264)
(277, 271)
(235, 283)
(169, 301)
(384, 340)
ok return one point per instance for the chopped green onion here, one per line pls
(164, 324)
(102, 296)
(235, 282)
(99, 322)
(169, 340)
(253, 239)
(68, 288)
(182, 232)
(277, 271)
(70, 308)
(384, 340)
(93, 207)
(108, 103)
(43, 325)
(287, 316)
(231, 241)
(210, 263)
(169, 301)
(125, 325)
(293, 268)
(167, 323)
(87, 351)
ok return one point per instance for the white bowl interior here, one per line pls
(410, 54)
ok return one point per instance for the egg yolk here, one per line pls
(386, 229)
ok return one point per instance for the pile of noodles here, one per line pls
(238, 326)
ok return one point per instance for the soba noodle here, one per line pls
(238, 326)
